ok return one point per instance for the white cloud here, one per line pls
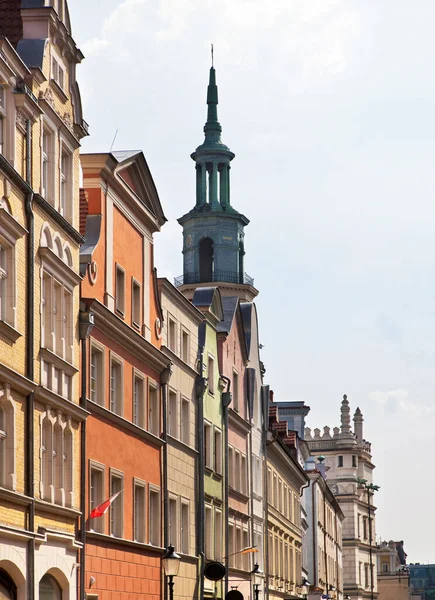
(398, 400)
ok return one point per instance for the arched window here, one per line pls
(68, 445)
(3, 449)
(206, 258)
(8, 589)
(58, 463)
(47, 459)
(49, 589)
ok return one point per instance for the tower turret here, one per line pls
(213, 231)
(358, 426)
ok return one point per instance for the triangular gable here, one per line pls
(133, 171)
(250, 327)
(209, 301)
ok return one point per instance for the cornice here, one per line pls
(65, 225)
(179, 299)
(175, 443)
(179, 362)
(238, 421)
(115, 328)
(241, 496)
(124, 424)
(53, 400)
(56, 509)
(17, 381)
(14, 497)
(113, 541)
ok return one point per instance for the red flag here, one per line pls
(101, 510)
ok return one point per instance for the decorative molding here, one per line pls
(9, 332)
(58, 267)
(67, 407)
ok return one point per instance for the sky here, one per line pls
(328, 106)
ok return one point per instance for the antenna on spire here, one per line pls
(212, 52)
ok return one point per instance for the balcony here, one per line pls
(218, 276)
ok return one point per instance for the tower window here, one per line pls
(340, 461)
(206, 258)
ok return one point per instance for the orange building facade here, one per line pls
(122, 371)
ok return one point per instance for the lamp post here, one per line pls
(171, 564)
(256, 571)
(370, 489)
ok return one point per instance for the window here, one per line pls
(239, 557)
(116, 386)
(279, 506)
(244, 475)
(154, 517)
(237, 470)
(208, 532)
(138, 401)
(208, 446)
(218, 451)
(185, 421)
(185, 346)
(172, 414)
(139, 511)
(120, 290)
(116, 508)
(366, 575)
(245, 544)
(340, 461)
(217, 534)
(365, 528)
(7, 441)
(172, 335)
(6, 282)
(385, 568)
(96, 485)
(236, 391)
(65, 196)
(230, 467)
(57, 72)
(2, 118)
(57, 459)
(49, 589)
(231, 545)
(210, 374)
(96, 375)
(153, 410)
(135, 303)
(184, 527)
(285, 499)
(173, 525)
(354, 461)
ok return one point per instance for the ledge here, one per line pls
(237, 494)
(59, 267)
(56, 509)
(110, 539)
(176, 443)
(15, 497)
(59, 362)
(9, 332)
(50, 398)
(107, 414)
(59, 91)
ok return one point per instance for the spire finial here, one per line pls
(212, 52)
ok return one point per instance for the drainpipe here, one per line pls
(265, 389)
(200, 387)
(314, 520)
(30, 370)
(165, 376)
(226, 401)
(86, 324)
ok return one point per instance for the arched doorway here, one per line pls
(206, 258)
(49, 589)
(8, 589)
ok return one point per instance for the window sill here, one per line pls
(59, 91)
(120, 313)
(93, 535)
(59, 362)
(237, 494)
(9, 332)
(58, 509)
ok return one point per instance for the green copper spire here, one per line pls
(212, 128)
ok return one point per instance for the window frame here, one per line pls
(118, 361)
(235, 403)
(184, 527)
(142, 485)
(185, 352)
(136, 305)
(119, 501)
(120, 294)
(172, 334)
(153, 387)
(217, 450)
(139, 419)
(154, 524)
(101, 350)
(208, 445)
(185, 422)
(95, 466)
(173, 523)
(210, 374)
(8, 440)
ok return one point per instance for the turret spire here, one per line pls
(212, 128)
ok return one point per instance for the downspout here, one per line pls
(371, 549)
(165, 376)
(265, 411)
(30, 369)
(226, 401)
(315, 533)
(200, 386)
(325, 543)
(86, 324)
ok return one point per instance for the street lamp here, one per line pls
(256, 571)
(171, 564)
(370, 489)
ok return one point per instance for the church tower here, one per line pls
(213, 231)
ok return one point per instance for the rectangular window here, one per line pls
(138, 401)
(2, 118)
(210, 374)
(120, 290)
(96, 485)
(243, 475)
(172, 335)
(231, 545)
(135, 304)
(185, 421)
(279, 495)
(172, 414)
(237, 470)
(44, 173)
(236, 391)
(208, 445)
(185, 346)
(153, 410)
(96, 375)
(208, 532)
(365, 527)
(230, 467)
(218, 451)
(239, 542)
(116, 387)
(6, 281)
(184, 527)
(154, 518)
(139, 512)
(116, 508)
(217, 534)
(354, 461)
(173, 526)
(65, 196)
(245, 544)
(340, 461)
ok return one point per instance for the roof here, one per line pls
(229, 304)
(122, 155)
(209, 298)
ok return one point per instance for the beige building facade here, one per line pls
(180, 344)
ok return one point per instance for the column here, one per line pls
(199, 196)
(213, 175)
(224, 185)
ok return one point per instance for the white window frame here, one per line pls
(172, 416)
(139, 404)
(185, 420)
(172, 334)
(217, 450)
(154, 525)
(48, 161)
(185, 526)
(235, 398)
(117, 504)
(218, 533)
(208, 532)
(66, 180)
(58, 70)
(57, 463)
(116, 404)
(210, 374)
(173, 520)
(99, 395)
(208, 445)
(98, 523)
(139, 529)
(154, 407)
(7, 440)
(10, 232)
(3, 117)
(136, 305)
(119, 293)
(185, 352)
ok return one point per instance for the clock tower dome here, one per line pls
(213, 231)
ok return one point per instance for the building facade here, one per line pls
(392, 572)
(180, 344)
(350, 477)
(41, 126)
(125, 375)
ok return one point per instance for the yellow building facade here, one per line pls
(41, 126)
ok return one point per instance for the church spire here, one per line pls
(212, 128)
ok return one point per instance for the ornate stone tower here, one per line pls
(213, 231)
